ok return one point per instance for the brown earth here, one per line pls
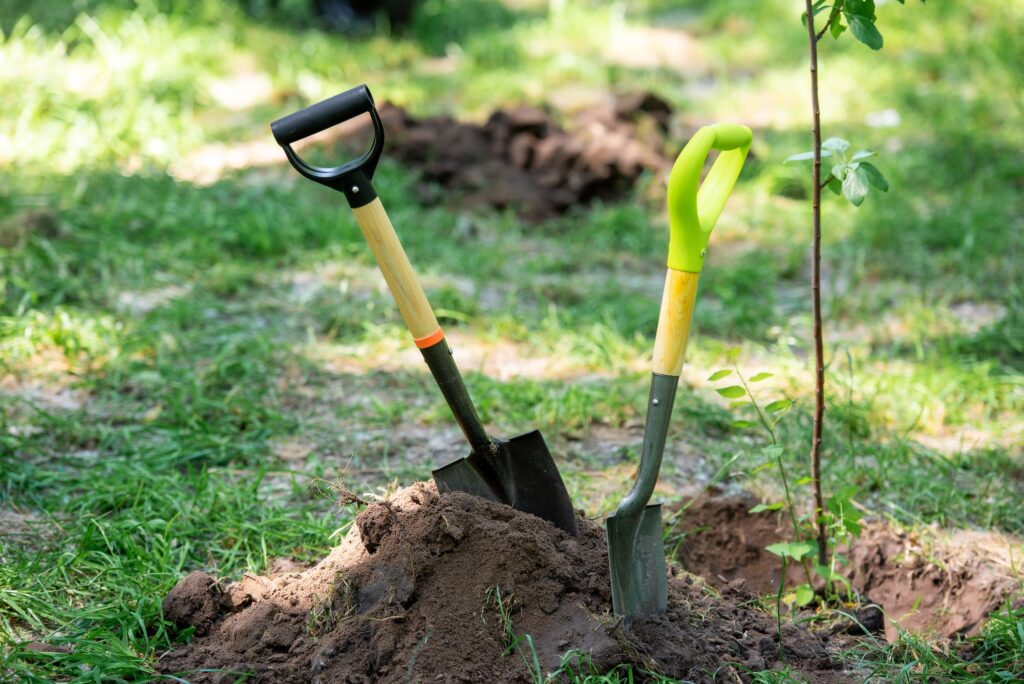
(521, 158)
(936, 585)
(412, 594)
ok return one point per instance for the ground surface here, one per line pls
(194, 344)
(421, 576)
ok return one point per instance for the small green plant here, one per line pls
(800, 548)
(840, 518)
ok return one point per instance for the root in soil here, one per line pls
(455, 588)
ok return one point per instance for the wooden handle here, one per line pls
(394, 264)
(677, 304)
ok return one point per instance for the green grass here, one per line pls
(183, 362)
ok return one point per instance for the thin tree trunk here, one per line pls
(819, 353)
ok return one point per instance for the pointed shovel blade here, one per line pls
(636, 561)
(519, 472)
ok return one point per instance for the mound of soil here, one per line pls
(940, 586)
(413, 594)
(521, 158)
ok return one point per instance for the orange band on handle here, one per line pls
(430, 340)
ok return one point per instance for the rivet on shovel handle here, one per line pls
(636, 548)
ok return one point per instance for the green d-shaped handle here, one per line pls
(693, 211)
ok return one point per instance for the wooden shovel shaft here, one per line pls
(677, 303)
(420, 319)
(401, 279)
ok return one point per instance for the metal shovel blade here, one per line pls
(636, 561)
(519, 472)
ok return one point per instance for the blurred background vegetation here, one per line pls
(189, 337)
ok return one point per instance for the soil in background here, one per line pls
(521, 158)
(412, 594)
(934, 587)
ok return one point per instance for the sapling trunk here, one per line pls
(819, 354)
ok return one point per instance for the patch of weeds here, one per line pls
(995, 655)
(1002, 341)
(784, 676)
(576, 667)
(520, 643)
(139, 523)
(340, 602)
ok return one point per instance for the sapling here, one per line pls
(853, 178)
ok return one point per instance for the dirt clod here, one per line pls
(424, 606)
(193, 602)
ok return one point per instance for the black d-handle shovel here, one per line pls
(519, 471)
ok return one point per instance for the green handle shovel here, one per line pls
(636, 549)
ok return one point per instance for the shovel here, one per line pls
(519, 471)
(636, 548)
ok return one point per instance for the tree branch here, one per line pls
(833, 16)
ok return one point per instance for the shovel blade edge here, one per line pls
(636, 563)
(461, 476)
(521, 473)
(535, 485)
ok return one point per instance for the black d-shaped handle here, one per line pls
(351, 178)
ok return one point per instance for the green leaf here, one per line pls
(863, 29)
(719, 374)
(773, 451)
(761, 508)
(804, 156)
(761, 376)
(817, 8)
(846, 493)
(823, 571)
(804, 595)
(836, 146)
(778, 405)
(839, 171)
(875, 177)
(794, 550)
(836, 28)
(802, 481)
(865, 8)
(835, 186)
(855, 186)
(732, 392)
(740, 424)
(862, 154)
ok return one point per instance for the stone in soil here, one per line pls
(411, 594)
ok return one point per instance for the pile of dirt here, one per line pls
(937, 585)
(415, 592)
(521, 158)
